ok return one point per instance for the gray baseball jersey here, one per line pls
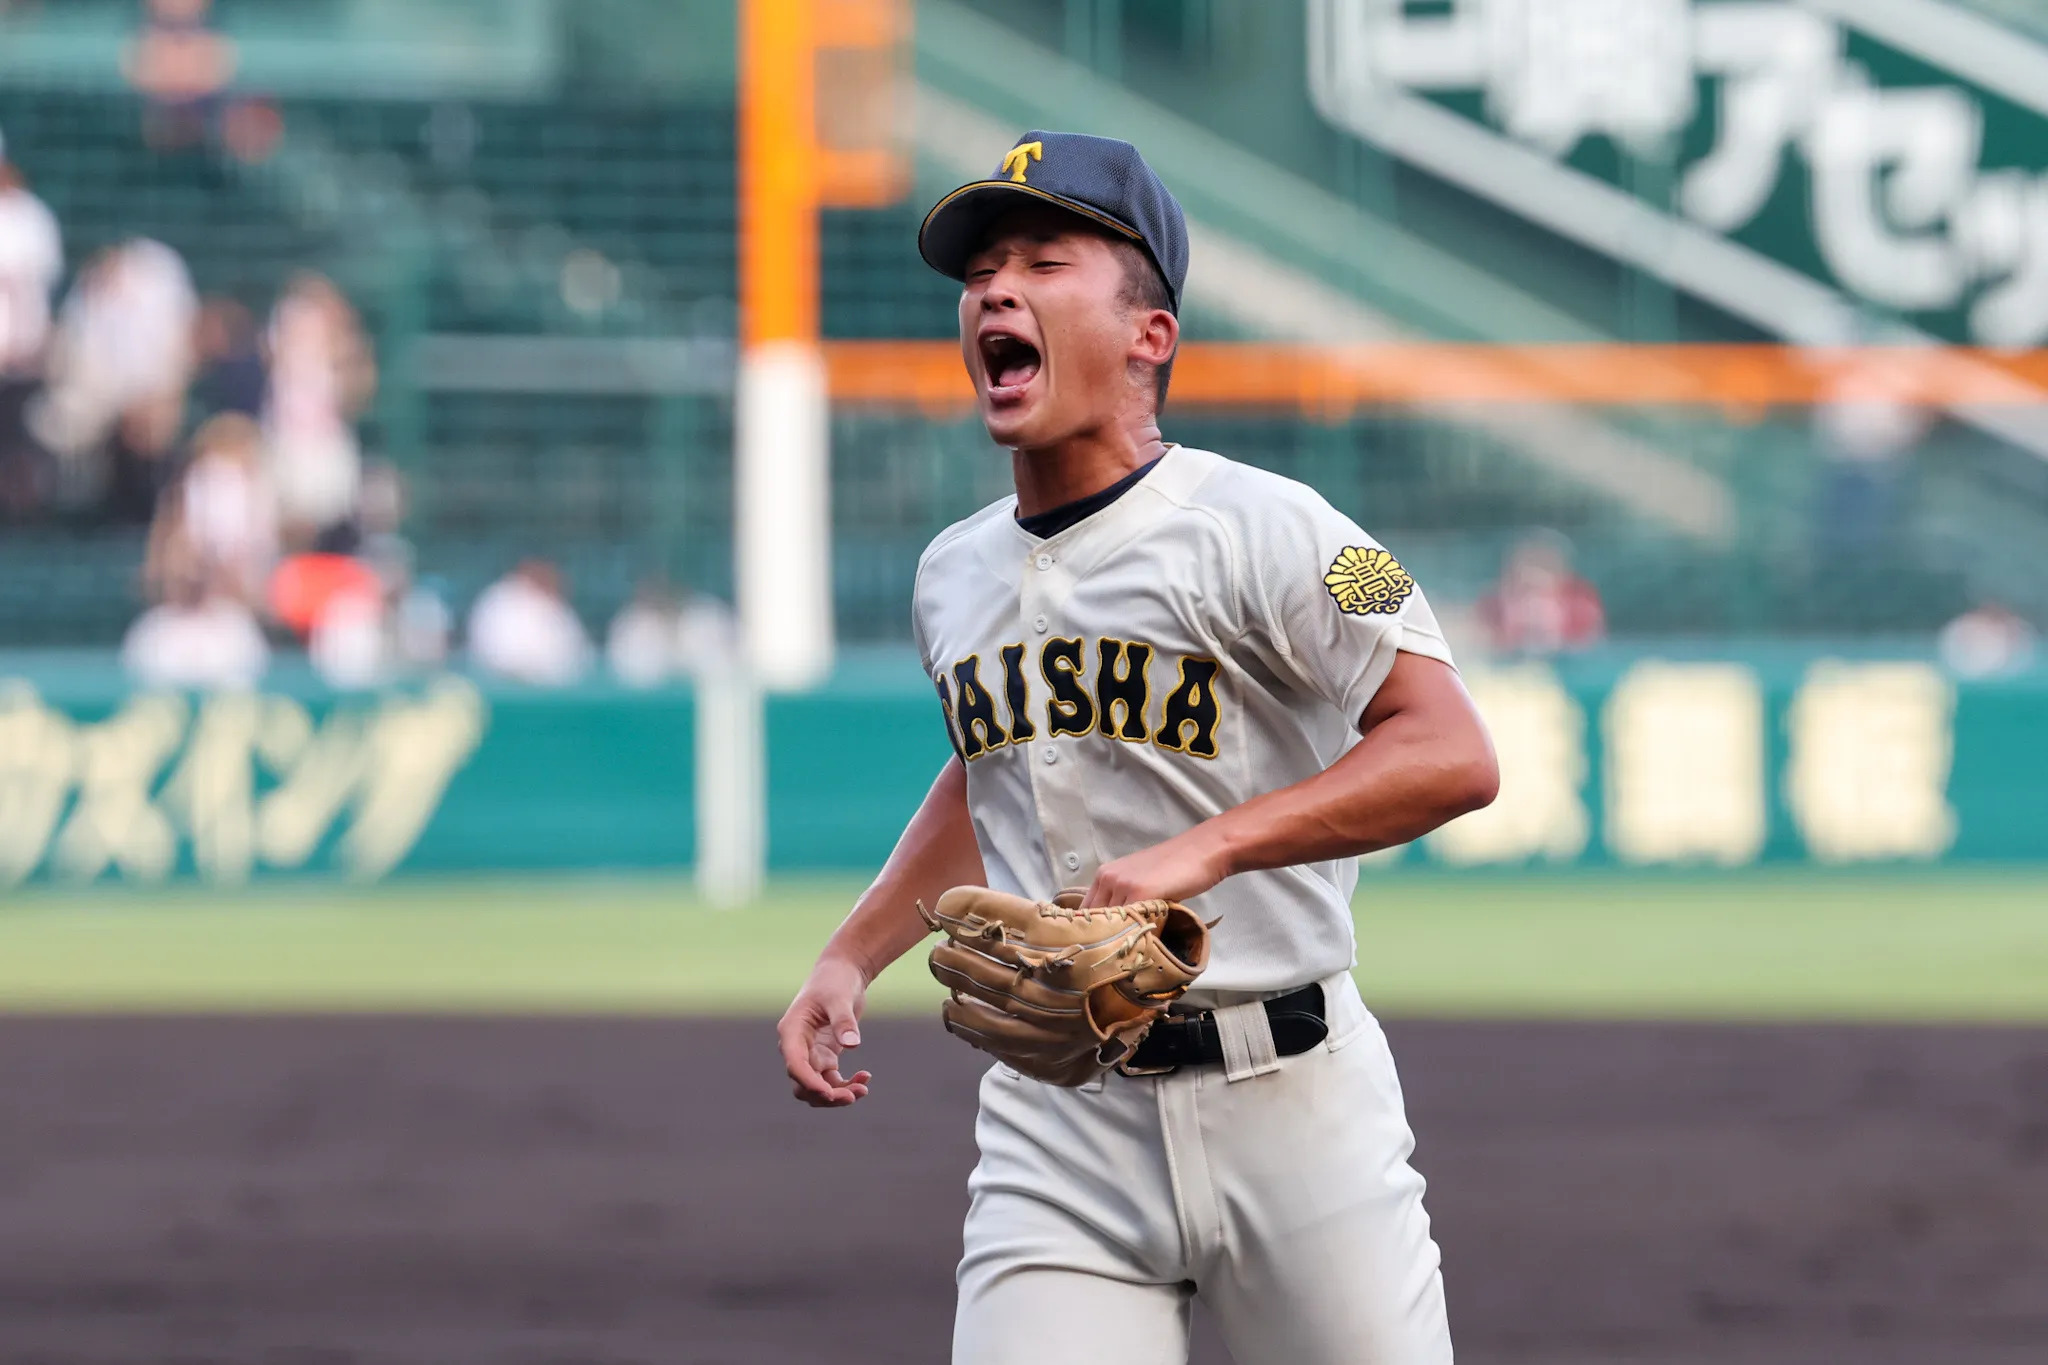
(1213, 634)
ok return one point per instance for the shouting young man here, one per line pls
(1166, 676)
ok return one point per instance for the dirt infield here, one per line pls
(325, 1192)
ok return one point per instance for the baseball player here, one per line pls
(1167, 677)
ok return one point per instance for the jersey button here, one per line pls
(1052, 755)
(1045, 561)
(1073, 862)
(1041, 625)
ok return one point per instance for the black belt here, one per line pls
(1181, 1040)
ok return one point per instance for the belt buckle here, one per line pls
(1124, 1068)
(1127, 1067)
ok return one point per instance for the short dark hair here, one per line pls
(1145, 287)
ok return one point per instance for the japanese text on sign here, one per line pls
(1902, 209)
(239, 780)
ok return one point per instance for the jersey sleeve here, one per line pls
(918, 629)
(924, 653)
(924, 657)
(1333, 605)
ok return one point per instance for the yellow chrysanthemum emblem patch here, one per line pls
(1367, 581)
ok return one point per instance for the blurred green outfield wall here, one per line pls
(1614, 759)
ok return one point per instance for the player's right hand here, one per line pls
(818, 1027)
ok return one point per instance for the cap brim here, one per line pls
(953, 230)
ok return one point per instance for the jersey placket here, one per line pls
(1054, 761)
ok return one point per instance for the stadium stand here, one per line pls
(582, 212)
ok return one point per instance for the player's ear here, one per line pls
(1158, 337)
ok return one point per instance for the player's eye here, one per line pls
(1047, 265)
(982, 274)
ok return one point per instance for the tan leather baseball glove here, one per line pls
(1058, 992)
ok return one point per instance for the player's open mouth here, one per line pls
(1010, 363)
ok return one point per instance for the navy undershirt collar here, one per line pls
(1054, 520)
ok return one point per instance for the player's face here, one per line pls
(1045, 330)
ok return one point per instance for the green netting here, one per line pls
(85, 155)
(460, 218)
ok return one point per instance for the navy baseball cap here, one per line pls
(1099, 178)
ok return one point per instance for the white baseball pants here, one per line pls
(1284, 1198)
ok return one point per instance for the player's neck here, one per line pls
(1087, 462)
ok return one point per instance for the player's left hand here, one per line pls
(1178, 870)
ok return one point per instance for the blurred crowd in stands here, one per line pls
(137, 401)
(183, 68)
(234, 439)
(1539, 606)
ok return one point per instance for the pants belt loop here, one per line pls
(1247, 1036)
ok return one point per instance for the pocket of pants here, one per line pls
(1352, 1031)
(1337, 1042)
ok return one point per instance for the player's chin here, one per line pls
(1012, 418)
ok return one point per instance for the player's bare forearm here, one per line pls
(935, 853)
(1424, 760)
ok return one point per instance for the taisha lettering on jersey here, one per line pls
(1101, 687)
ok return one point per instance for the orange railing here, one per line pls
(1332, 380)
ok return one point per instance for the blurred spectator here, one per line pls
(1988, 641)
(118, 367)
(350, 644)
(380, 512)
(230, 363)
(200, 636)
(522, 628)
(1871, 421)
(306, 585)
(1539, 606)
(31, 260)
(180, 66)
(251, 129)
(421, 625)
(641, 644)
(655, 637)
(226, 518)
(169, 557)
(361, 638)
(707, 635)
(357, 640)
(322, 376)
